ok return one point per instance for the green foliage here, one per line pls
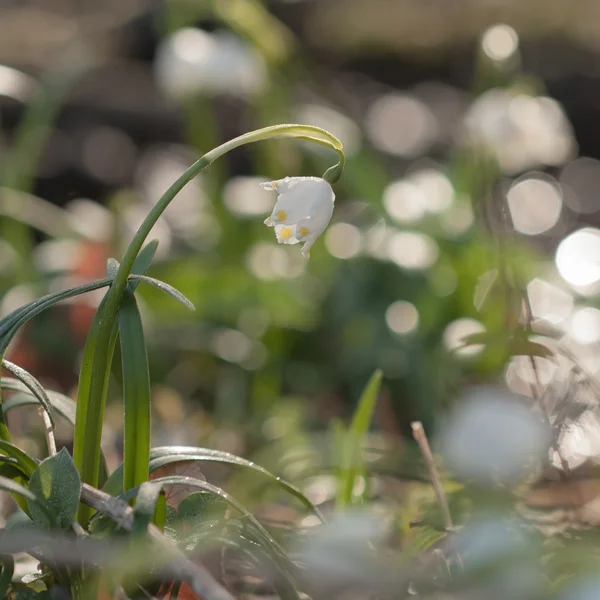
(57, 484)
(136, 393)
(273, 351)
(351, 442)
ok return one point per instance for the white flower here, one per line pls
(303, 210)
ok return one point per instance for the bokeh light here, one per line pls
(402, 317)
(500, 42)
(521, 131)
(535, 205)
(578, 257)
(270, 261)
(192, 61)
(456, 333)
(401, 125)
(343, 240)
(585, 325)
(244, 197)
(404, 202)
(412, 250)
(549, 302)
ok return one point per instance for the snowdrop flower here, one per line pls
(303, 210)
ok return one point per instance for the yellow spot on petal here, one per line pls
(285, 234)
(274, 184)
(303, 231)
(280, 215)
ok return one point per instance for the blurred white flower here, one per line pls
(521, 131)
(194, 61)
(491, 437)
(303, 210)
(583, 588)
(339, 551)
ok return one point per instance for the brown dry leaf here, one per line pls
(175, 494)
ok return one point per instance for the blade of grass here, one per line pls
(31, 383)
(91, 392)
(166, 455)
(352, 463)
(136, 393)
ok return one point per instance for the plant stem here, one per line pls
(421, 439)
(91, 399)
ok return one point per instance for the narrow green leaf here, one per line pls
(146, 503)
(142, 263)
(27, 464)
(352, 463)
(8, 485)
(8, 570)
(136, 393)
(166, 455)
(56, 482)
(62, 404)
(263, 537)
(31, 383)
(166, 288)
(91, 393)
(202, 506)
(12, 322)
(160, 511)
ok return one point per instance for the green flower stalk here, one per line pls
(94, 375)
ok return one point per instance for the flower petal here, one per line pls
(286, 234)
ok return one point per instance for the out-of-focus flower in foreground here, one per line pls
(303, 210)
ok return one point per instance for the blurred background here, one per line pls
(464, 247)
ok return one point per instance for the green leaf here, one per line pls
(352, 463)
(145, 506)
(136, 393)
(173, 524)
(63, 405)
(31, 383)
(262, 535)
(516, 343)
(8, 485)
(166, 288)
(8, 569)
(286, 569)
(12, 322)
(93, 384)
(199, 506)
(142, 263)
(27, 464)
(166, 455)
(56, 482)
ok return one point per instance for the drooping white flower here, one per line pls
(303, 210)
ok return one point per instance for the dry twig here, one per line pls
(48, 432)
(421, 439)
